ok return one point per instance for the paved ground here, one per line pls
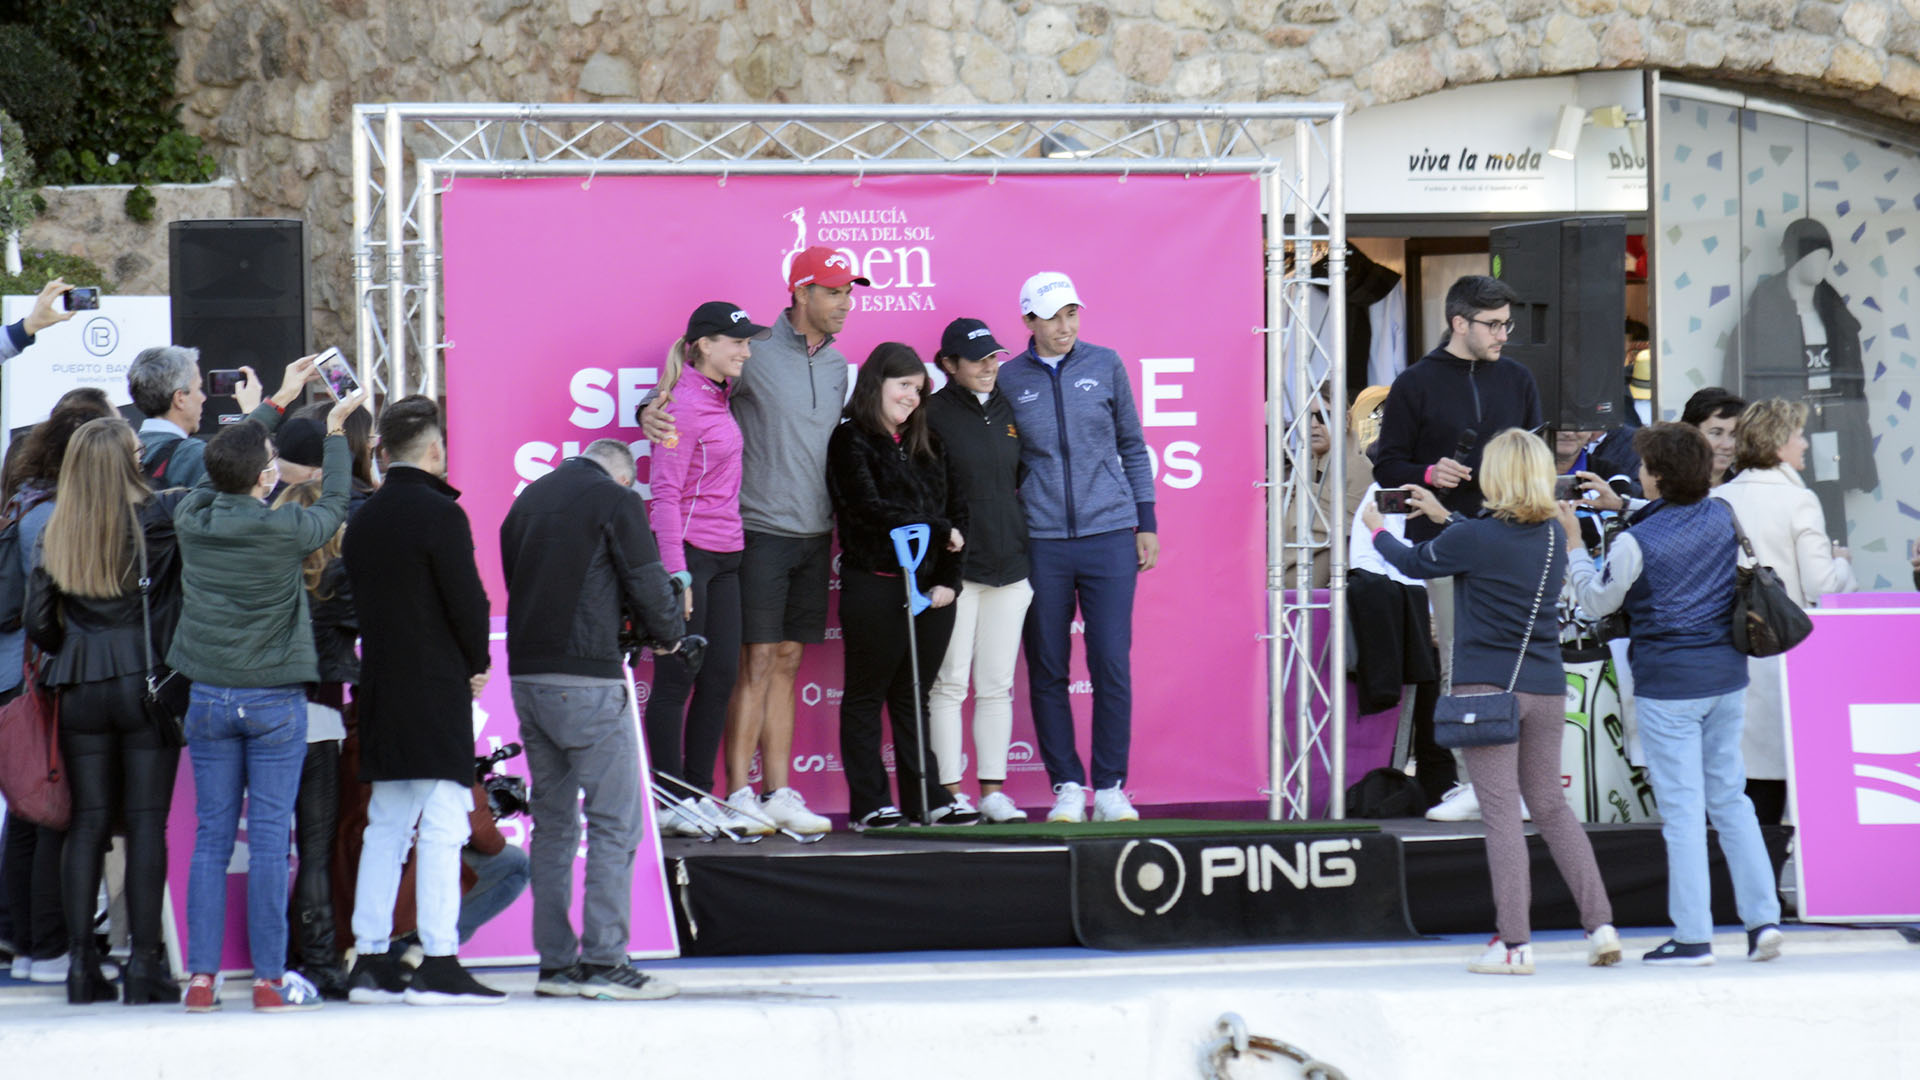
(1839, 1003)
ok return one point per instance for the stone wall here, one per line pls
(270, 83)
(92, 222)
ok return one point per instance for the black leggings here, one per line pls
(716, 616)
(873, 612)
(119, 769)
(315, 814)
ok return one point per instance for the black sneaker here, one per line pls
(441, 980)
(558, 982)
(1763, 942)
(958, 812)
(1680, 954)
(621, 982)
(377, 979)
(887, 817)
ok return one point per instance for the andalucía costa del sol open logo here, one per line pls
(880, 243)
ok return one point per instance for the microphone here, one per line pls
(1468, 440)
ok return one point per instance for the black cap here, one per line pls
(1802, 238)
(721, 317)
(969, 339)
(300, 440)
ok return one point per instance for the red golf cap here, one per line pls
(822, 265)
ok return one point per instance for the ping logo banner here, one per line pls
(1853, 760)
(1248, 889)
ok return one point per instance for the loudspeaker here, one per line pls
(239, 292)
(1570, 316)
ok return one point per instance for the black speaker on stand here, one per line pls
(1569, 321)
(239, 289)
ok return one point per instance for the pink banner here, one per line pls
(1853, 758)
(508, 937)
(562, 298)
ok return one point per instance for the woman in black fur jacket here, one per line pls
(886, 469)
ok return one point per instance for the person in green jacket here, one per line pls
(246, 641)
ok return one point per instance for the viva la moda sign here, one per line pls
(1167, 892)
(1500, 162)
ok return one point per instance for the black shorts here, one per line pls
(783, 588)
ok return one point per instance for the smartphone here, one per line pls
(221, 382)
(337, 374)
(82, 298)
(1393, 500)
(1566, 488)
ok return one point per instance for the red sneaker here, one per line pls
(292, 993)
(203, 994)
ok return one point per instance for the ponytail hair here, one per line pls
(676, 362)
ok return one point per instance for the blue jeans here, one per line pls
(1096, 575)
(1693, 757)
(498, 882)
(250, 740)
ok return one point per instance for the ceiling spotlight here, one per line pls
(1609, 116)
(1566, 133)
(1062, 147)
(1637, 131)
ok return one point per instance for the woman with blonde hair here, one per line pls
(1783, 520)
(1506, 563)
(84, 607)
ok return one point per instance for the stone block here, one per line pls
(609, 76)
(582, 12)
(1144, 52)
(1341, 51)
(1477, 22)
(1101, 84)
(1080, 57)
(1467, 66)
(228, 56)
(1705, 50)
(1094, 20)
(1800, 54)
(1854, 67)
(1200, 80)
(1406, 74)
(1866, 23)
(1190, 45)
(1817, 18)
(1255, 15)
(1312, 11)
(1588, 8)
(985, 69)
(1208, 15)
(1903, 78)
(1293, 76)
(1694, 12)
(1048, 32)
(1288, 37)
(1569, 45)
(1748, 49)
(1623, 45)
(1415, 22)
(1777, 14)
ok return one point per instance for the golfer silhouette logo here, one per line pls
(797, 215)
(1149, 876)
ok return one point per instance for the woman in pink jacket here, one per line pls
(695, 514)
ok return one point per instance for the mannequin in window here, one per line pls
(1800, 342)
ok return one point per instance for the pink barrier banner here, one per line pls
(562, 299)
(508, 937)
(1853, 761)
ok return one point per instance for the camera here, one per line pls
(506, 793)
(82, 298)
(223, 381)
(1566, 488)
(1393, 500)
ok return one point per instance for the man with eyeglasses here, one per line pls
(1462, 385)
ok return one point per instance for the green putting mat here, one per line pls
(1061, 832)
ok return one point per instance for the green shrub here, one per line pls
(140, 203)
(38, 266)
(19, 202)
(38, 88)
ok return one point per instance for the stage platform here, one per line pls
(897, 891)
(1838, 1003)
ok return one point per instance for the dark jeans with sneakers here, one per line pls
(1094, 576)
(879, 671)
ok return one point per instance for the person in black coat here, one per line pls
(423, 624)
(886, 469)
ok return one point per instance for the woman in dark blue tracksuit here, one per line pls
(1088, 496)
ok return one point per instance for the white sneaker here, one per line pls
(1503, 959)
(22, 967)
(788, 810)
(49, 971)
(1112, 804)
(750, 814)
(997, 809)
(678, 820)
(1603, 947)
(1461, 804)
(1069, 803)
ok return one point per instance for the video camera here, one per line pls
(691, 649)
(506, 793)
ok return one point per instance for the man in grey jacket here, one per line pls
(787, 401)
(1089, 501)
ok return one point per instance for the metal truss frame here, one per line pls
(404, 155)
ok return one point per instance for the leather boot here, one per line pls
(85, 983)
(149, 978)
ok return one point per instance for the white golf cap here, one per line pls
(1046, 293)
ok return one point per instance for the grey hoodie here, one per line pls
(787, 404)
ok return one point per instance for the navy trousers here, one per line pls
(1094, 576)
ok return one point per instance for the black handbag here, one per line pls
(1766, 621)
(165, 698)
(1462, 720)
